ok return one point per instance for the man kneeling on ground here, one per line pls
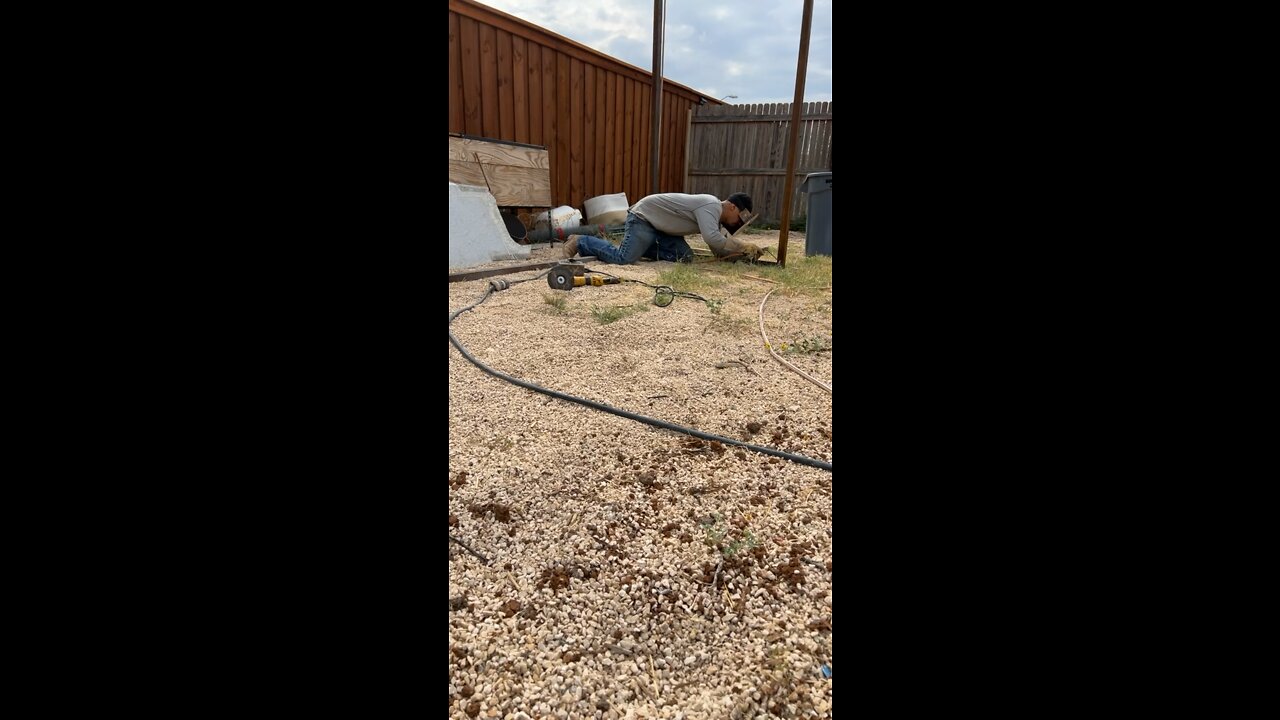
(656, 227)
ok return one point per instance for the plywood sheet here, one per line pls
(518, 176)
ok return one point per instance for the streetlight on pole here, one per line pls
(729, 96)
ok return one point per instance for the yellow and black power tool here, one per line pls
(569, 275)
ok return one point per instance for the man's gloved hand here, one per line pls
(734, 246)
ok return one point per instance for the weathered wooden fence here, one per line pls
(743, 148)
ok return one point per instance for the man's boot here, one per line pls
(571, 247)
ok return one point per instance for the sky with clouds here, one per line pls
(747, 48)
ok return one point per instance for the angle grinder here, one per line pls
(569, 275)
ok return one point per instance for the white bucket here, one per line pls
(607, 210)
(561, 217)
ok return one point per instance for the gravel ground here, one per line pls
(634, 571)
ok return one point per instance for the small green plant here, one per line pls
(613, 313)
(715, 530)
(716, 533)
(746, 542)
(557, 301)
(814, 344)
(714, 306)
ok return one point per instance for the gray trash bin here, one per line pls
(817, 234)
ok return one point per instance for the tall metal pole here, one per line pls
(788, 184)
(655, 137)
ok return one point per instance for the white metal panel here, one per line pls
(477, 234)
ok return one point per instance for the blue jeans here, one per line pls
(639, 239)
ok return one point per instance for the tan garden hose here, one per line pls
(768, 345)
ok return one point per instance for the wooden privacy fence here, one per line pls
(512, 81)
(743, 148)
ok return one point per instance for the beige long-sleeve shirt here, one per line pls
(682, 214)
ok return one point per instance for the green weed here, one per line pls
(557, 300)
(716, 534)
(684, 277)
(807, 275)
(606, 315)
(813, 344)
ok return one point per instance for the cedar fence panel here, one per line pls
(512, 81)
(744, 148)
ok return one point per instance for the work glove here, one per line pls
(734, 246)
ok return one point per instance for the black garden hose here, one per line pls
(495, 285)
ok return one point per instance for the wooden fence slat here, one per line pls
(561, 164)
(664, 112)
(821, 156)
(520, 86)
(639, 184)
(456, 121)
(695, 142)
(819, 141)
(640, 179)
(574, 110)
(628, 160)
(802, 157)
(610, 128)
(675, 180)
(489, 82)
(802, 141)
(506, 99)
(549, 96)
(674, 157)
(589, 133)
(619, 133)
(685, 186)
(469, 34)
(600, 138)
(644, 149)
(664, 148)
(778, 151)
(535, 94)
(802, 149)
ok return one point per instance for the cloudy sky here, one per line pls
(747, 48)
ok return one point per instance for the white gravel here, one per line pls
(605, 535)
